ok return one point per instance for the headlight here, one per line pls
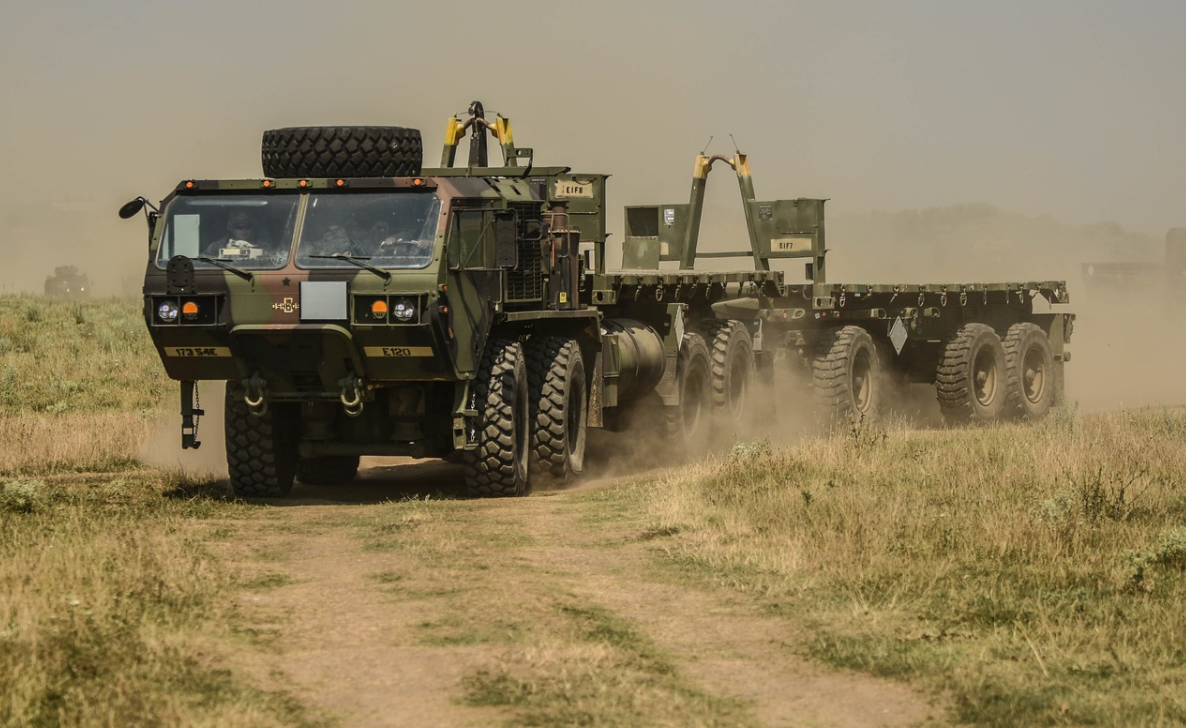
(404, 310)
(167, 311)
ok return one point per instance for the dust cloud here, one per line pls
(1064, 150)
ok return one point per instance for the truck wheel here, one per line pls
(261, 452)
(327, 470)
(688, 422)
(1029, 362)
(556, 382)
(846, 374)
(498, 465)
(971, 378)
(342, 151)
(731, 352)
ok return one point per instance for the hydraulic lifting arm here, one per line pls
(740, 164)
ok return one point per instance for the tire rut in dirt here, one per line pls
(498, 465)
(846, 378)
(1031, 380)
(970, 381)
(342, 151)
(328, 470)
(261, 452)
(556, 382)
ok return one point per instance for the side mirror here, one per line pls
(130, 209)
(506, 242)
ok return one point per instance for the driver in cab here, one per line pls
(242, 241)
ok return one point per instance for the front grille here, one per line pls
(525, 282)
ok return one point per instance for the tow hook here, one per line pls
(255, 395)
(353, 393)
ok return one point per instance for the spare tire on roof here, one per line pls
(342, 151)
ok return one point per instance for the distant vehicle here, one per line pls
(67, 282)
(1114, 280)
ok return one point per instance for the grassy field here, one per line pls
(1030, 574)
(1033, 573)
(114, 611)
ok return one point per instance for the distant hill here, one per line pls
(974, 242)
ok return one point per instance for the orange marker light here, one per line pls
(303, 183)
(379, 309)
(190, 185)
(417, 182)
(189, 308)
(340, 183)
(267, 183)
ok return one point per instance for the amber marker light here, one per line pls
(417, 182)
(266, 184)
(340, 183)
(379, 309)
(190, 184)
(303, 183)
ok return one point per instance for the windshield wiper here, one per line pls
(359, 261)
(221, 263)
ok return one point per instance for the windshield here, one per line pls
(248, 231)
(391, 229)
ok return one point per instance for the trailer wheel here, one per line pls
(1032, 386)
(498, 465)
(688, 422)
(342, 151)
(732, 357)
(261, 452)
(971, 380)
(327, 470)
(846, 374)
(556, 381)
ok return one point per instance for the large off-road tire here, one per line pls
(342, 151)
(731, 351)
(972, 375)
(559, 406)
(846, 377)
(498, 466)
(327, 470)
(689, 422)
(1032, 382)
(261, 452)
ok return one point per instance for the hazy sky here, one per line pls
(1069, 108)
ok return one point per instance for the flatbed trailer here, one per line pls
(376, 307)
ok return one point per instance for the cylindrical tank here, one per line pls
(640, 356)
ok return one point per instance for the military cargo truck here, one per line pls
(356, 303)
(67, 282)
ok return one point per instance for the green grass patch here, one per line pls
(592, 668)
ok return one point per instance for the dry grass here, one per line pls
(1034, 573)
(112, 610)
(77, 356)
(73, 442)
(114, 613)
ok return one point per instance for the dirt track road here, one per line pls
(386, 612)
